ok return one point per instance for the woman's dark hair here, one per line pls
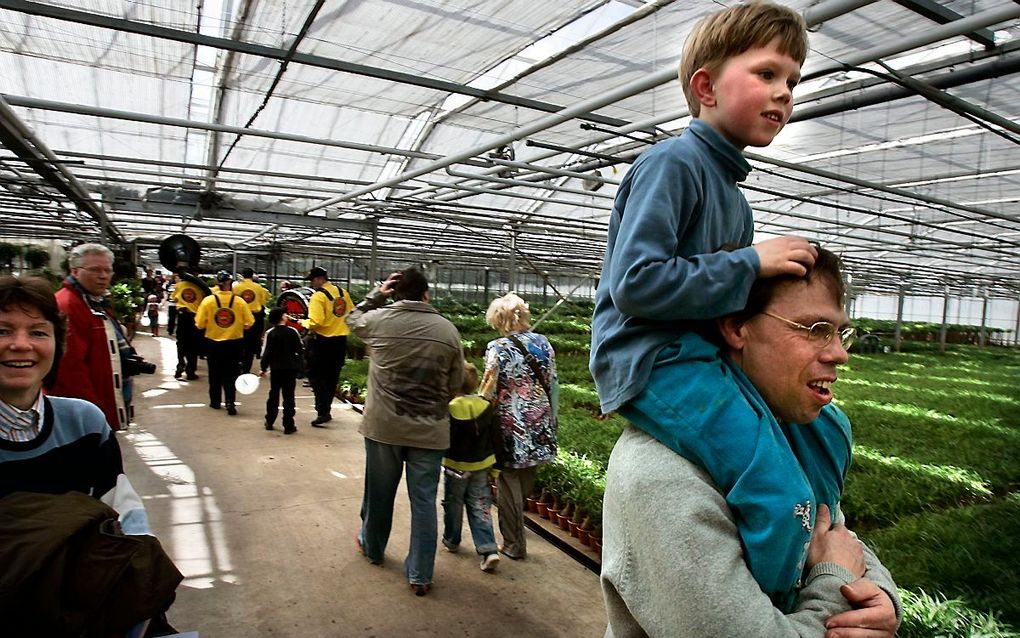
(411, 286)
(35, 293)
(275, 315)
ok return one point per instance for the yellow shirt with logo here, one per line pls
(326, 315)
(253, 293)
(226, 320)
(188, 296)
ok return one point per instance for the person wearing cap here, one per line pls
(187, 296)
(327, 309)
(256, 296)
(224, 316)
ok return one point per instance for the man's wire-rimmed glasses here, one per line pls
(821, 332)
(97, 270)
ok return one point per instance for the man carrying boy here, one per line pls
(466, 468)
(283, 357)
(679, 203)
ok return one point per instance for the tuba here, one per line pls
(181, 254)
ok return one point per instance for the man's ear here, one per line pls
(703, 88)
(732, 331)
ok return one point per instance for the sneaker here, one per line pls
(231, 410)
(214, 406)
(450, 547)
(489, 562)
(318, 421)
(192, 377)
(420, 589)
(179, 372)
(269, 426)
(289, 430)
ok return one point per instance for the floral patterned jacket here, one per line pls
(526, 414)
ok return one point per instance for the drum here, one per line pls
(295, 303)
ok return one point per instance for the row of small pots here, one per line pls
(566, 523)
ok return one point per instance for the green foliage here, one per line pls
(577, 479)
(921, 330)
(967, 553)
(36, 258)
(8, 253)
(925, 616)
(128, 299)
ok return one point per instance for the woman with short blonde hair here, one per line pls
(520, 378)
(508, 313)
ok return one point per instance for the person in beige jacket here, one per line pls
(415, 369)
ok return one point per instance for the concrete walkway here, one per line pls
(262, 526)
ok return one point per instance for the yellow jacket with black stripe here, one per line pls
(253, 293)
(327, 309)
(224, 316)
(474, 435)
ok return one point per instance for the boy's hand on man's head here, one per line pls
(789, 255)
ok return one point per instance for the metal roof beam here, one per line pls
(155, 31)
(21, 141)
(233, 214)
(944, 15)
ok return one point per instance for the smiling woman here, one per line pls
(49, 444)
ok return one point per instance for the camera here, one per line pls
(132, 363)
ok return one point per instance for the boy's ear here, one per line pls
(732, 331)
(703, 88)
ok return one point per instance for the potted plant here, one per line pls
(37, 258)
(8, 253)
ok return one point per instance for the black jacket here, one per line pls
(283, 352)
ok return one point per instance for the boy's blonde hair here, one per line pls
(470, 385)
(508, 313)
(722, 35)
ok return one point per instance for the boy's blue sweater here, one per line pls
(675, 209)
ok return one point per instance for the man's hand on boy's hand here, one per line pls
(790, 255)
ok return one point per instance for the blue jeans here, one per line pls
(383, 466)
(474, 492)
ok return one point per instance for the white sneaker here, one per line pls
(453, 549)
(489, 562)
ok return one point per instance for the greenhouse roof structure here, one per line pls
(478, 134)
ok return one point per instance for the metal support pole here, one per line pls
(485, 292)
(945, 322)
(983, 335)
(512, 274)
(1016, 328)
(899, 319)
(234, 252)
(373, 264)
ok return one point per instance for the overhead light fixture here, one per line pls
(592, 183)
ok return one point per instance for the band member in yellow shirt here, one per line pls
(328, 348)
(256, 296)
(224, 316)
(188, 294)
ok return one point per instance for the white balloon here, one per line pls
(247, 383)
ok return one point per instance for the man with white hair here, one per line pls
(91, 367)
